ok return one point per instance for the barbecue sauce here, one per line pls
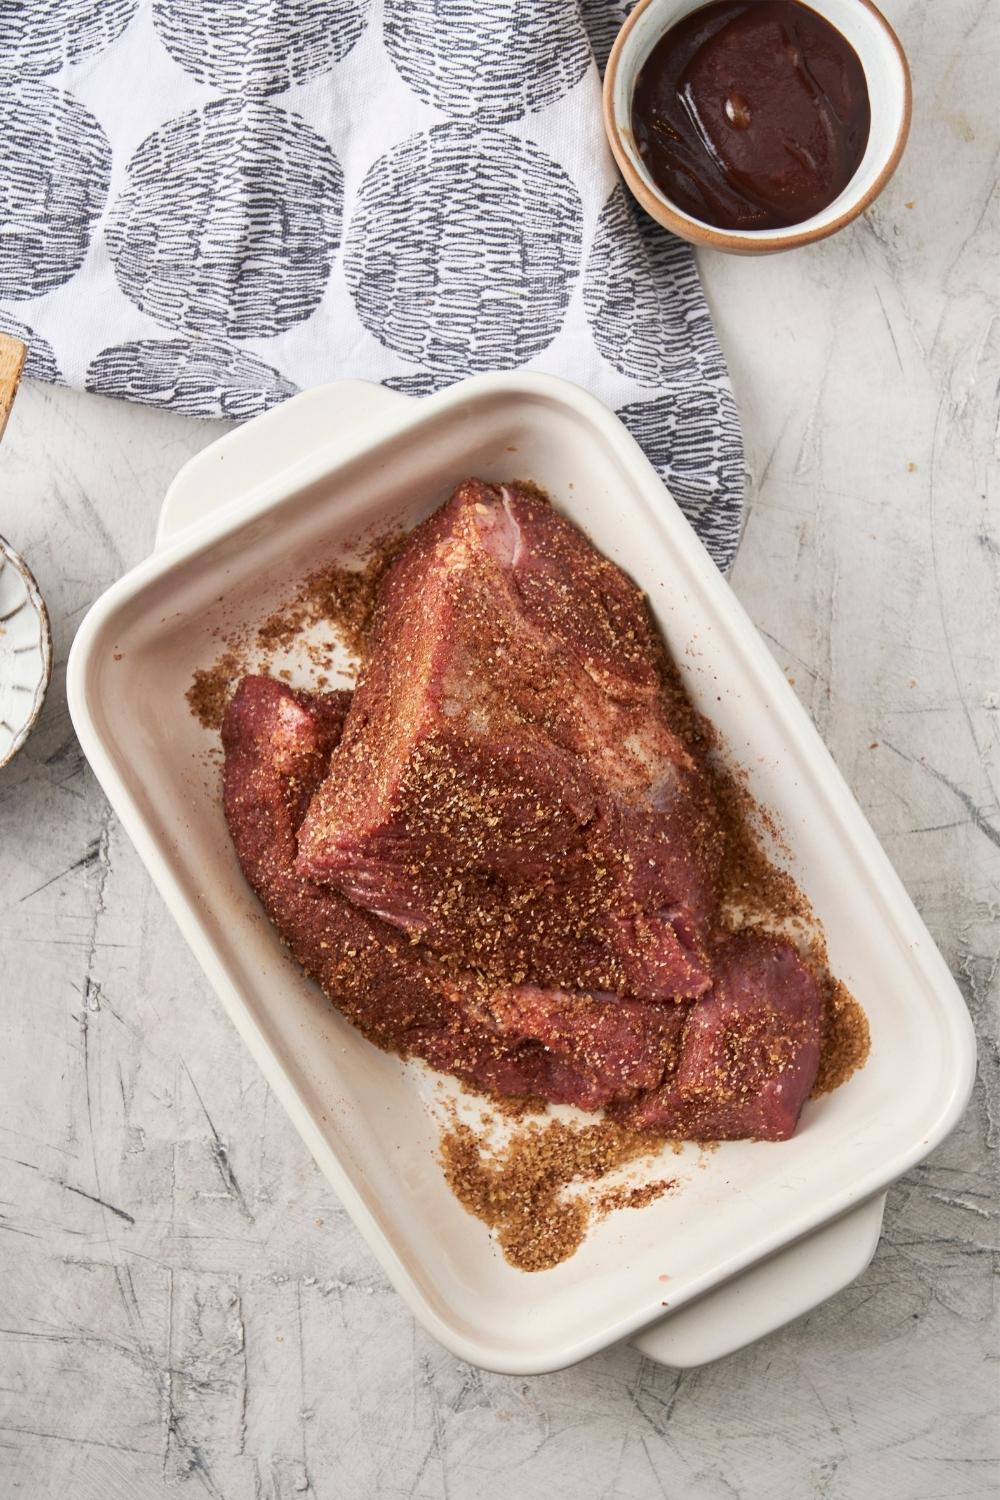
(752, 114)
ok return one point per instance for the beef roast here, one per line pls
(578, 1049)
(510, 789)
(749, 1054)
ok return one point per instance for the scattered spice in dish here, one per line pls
(640, 1196)
(339, 597)
(211, 689)
(846, 1038)
(521, 1190)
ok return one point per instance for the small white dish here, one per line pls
(25, 652)
(285, 494)
(886, 72)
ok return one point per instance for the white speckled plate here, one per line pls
(25, 652)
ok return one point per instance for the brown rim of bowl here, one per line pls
(37, 602)
(765, 243)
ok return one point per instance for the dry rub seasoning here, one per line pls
(521, 1192)
(338, 597)
(210, 690)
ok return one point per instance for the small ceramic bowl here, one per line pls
(888, 78)
(25, 652)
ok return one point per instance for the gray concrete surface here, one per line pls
(184, 1308)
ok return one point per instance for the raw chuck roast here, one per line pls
(502, 854)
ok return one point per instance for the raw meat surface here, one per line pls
(749, 1054)
(501, 855)
(565, 1048)
(509, 789)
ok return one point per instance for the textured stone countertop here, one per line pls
(184, 1307)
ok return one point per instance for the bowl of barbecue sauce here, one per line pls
(756, 125)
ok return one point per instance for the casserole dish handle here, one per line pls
(755, 1302)
(768, 1295)
(268, 445)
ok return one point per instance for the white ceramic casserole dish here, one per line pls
(243, 522)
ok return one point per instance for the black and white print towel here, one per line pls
(209, 204)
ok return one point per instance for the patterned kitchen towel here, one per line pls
(208, 204)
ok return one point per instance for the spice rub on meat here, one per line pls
(509, 789)
(573, 1049)
(750, 1050)
(737, 1062)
